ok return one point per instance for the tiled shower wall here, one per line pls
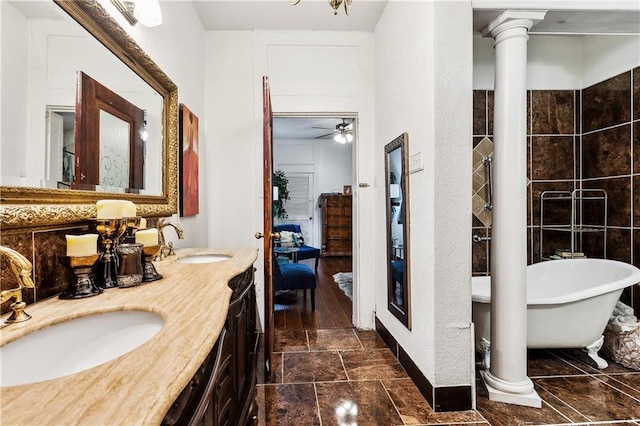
(578, 139)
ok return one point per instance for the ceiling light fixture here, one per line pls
(335, 4)
(343, 137)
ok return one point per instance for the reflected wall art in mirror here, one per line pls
(397, 207)
(42, 135)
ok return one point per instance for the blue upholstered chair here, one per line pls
(304, 251)
(294, 276)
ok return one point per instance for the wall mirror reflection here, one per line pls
(52, 41)
(397, 208)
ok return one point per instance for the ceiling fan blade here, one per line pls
(323, 128)
(324, 136)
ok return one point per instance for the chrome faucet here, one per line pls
(21, 267)
(166, 249)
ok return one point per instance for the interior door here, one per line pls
(267, 189)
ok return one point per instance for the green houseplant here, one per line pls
(280, 181)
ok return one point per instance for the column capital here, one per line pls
(513, 19)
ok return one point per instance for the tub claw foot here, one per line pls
(484, 347)
(592, 351)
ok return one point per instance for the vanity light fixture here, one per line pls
(335, 4)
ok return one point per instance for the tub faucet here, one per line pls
(21, 267)
(166, 249)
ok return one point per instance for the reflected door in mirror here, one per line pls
(109, 139)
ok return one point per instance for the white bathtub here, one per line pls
(569, 303)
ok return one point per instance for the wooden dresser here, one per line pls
(336, 224)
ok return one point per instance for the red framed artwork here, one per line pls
(189, 143)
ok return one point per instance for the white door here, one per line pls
(300, 204)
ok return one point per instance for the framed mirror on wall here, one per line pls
(397, 208)
(37, 182)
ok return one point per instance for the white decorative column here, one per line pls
(507, 379)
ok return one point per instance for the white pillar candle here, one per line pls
(109, 209)
(82, 245)
(147, 237)
(128, 209)
(143, 223)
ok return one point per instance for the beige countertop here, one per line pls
(139, 387)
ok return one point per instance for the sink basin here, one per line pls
(204, 258)
(75, 345)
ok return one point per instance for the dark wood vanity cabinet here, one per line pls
(223, 390)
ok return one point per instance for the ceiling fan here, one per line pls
(343, 132)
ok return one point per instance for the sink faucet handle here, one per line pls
(22, 268)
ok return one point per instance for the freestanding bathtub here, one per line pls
(569, 303)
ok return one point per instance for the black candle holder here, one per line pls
(110, 231)
(82, 284)
(149, 270)
(132, 224)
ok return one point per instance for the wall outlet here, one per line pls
(416, 162)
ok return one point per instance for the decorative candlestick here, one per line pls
(149, 270)
(110, 231)
(82, 285)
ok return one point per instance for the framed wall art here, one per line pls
(189, 174)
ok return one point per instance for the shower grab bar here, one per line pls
(487, 161)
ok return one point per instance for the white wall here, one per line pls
(13, 51)
(423, 89)
(562, 62)
(295, 63)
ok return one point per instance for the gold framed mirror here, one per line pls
(396, 162)
(30, 206)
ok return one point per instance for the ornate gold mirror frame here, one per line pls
(30, 207)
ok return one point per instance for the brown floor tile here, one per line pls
(276, 367)
(414, 409)
(550, 400)
(362, 403)
(372, 364)
(580, 359)
(290, 340)
(631, 383)
(593, 398)
(287, 405)
(543, 363)
(312, 367)
(333, 339)
(501, 414)
(370, 339)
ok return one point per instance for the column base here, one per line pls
(529, 398)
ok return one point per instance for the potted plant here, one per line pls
(280, 181)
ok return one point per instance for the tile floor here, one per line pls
(344, 376)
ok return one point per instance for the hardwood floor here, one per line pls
(333, 307)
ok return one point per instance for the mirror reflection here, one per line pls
(48, 48)
(397, 181)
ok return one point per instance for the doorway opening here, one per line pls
(316, 152)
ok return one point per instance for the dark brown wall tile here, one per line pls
(607, 153)
(479, 112)
(636, 147)
(618, 244)
(480, 253)
(636, 202)
(577, 111)
(636, 93)
(556, 212)
(490, 98)
(607, 103)
(552, 157)
(552, 112)
(619, 202)
(51, 276)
